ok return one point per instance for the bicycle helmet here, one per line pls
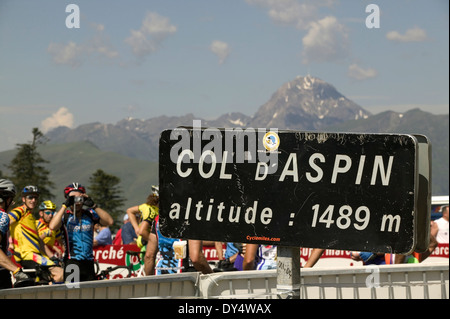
(7, 192)
(7, 188)
(47, 204)
(74, 187)
(155, 190)
(30, 189)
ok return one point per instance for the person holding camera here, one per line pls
(77, 216)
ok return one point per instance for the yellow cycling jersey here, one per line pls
(24, 233)
(25, 237)
(148, 212)
(51, 236)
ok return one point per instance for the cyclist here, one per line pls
(78, 215)
(260, 257)
(165, 262)
(51, 239)
(145, 212)
(28, 247)
(148, 210)
(7, 194)
(170, 260)
(175, 255)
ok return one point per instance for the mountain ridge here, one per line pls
(304, 104)
(307, 103)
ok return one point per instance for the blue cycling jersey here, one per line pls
(4, 231)
(166, 262)
(80, 233)
(231, 249)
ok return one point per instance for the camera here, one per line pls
(78, 199)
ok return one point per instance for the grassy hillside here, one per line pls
(76, 162)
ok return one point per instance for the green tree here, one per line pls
(27, 167)
(106, 192)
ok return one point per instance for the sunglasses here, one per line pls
(49, 213)
(31, 197)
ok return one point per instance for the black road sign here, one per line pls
(304, 189)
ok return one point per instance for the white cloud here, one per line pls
(221, 50)
(74, 54)
(359, 73)
(291, 12)
(415, 34)
(148, 39)
(326, 41)
(70, 54)
(62, 117)
(100, 44)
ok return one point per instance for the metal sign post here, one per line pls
(288, 272)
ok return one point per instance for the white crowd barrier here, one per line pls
(164, 286)
(413, 281)
(240, 284)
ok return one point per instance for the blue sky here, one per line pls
(209, 57)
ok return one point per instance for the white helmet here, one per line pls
(7, 192)
(7, 188)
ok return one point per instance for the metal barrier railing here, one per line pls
(240, 284)
(414, 281)
(178, 286)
